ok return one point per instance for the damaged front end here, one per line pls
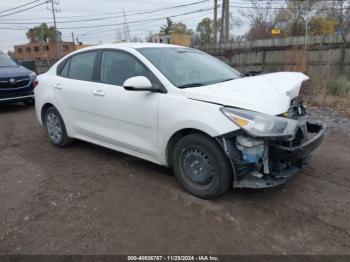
(267, 151)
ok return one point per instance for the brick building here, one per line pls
(173, 38)
(42, 50)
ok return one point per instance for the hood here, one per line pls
(268, 93)
(13, 71)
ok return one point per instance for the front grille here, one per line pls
(14, 82)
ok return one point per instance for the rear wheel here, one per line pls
(201, 166)
(56, 128)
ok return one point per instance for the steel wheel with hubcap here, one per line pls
(55, 128)
(201, 166)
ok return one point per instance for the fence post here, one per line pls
(263, 60)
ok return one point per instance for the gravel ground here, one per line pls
(335, 122)
(86, 199)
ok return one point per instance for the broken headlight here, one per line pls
(260, 124)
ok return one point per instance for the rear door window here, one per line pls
(81, 66)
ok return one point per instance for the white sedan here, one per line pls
(182, 108)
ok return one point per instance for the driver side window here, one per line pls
(116, 67)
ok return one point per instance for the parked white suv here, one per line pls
(181, 108)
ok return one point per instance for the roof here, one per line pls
(136, 45)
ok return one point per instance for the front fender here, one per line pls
(179, 113)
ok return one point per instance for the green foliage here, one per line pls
(205, 30)
(43, 33)
(180, 28)
(168, 28)
(320, 25)
(339, 86)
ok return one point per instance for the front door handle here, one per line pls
(57, 86)
(98, 93)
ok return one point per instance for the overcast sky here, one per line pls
(96, 9)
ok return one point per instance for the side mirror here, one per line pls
(138, 83)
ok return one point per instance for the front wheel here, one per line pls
(201, 166)
(56, 128)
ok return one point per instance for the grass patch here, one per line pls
(339, 86)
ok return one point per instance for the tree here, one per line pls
(338, 11)
(43, 33)
(261, 18)
(168, 28)
(205, 30)
(180, 28)
(320, 25)
(324, 17)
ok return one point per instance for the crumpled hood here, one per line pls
(268, 93)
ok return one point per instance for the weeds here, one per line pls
(339, 86)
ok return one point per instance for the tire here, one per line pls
(55, 128)
(201, 166)
(29, 102)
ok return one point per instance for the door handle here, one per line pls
(57, 86)
(98, 93)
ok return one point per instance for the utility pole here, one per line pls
(227, 21)
(58, 37)
(306, 31)
(221, 40)
(73, 39)
(127, 26)
(215, 28)
(306, 24)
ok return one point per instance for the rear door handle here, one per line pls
(98, 93)
(57, 86)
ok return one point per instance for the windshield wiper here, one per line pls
(191, 85)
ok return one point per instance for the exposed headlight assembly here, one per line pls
(260, 124)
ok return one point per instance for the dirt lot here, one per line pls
(89, 200)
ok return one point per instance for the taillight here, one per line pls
(35, 83)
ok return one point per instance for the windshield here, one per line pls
(185, 67)
(5, 60)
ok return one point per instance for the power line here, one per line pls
(4, 11)
(114, 17)
(140, 12)
(137, 21)
(26, 9)
(134, 25)
(14, 28)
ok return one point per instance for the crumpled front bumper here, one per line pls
(292, 158)
(305, 149)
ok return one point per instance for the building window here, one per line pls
(65, 47)
(28, 50)
(20, 51)
(36, 48)
(47, 48)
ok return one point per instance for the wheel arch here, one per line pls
(43, 110)
(176, 137)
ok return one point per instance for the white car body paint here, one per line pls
(141, 123)
(269, 93)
